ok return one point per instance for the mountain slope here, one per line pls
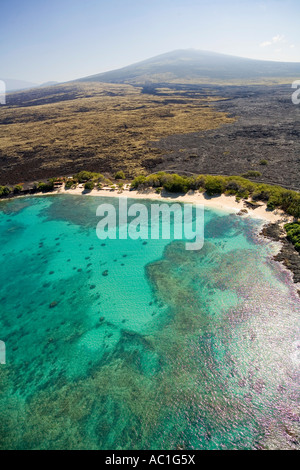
(192, 66)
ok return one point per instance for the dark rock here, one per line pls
(288, 254)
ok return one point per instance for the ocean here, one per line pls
(141, 344)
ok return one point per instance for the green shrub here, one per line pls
(263, 162)
(89, 185)
(4, 191)
(196, 182)
(70, 183)
(252, 174)
(241, 187)
(120, 175)
(18, 189)
(271, 205)
(154, 181)
(233, 185)
(45, 187)
(215, 185)
(84, 176)
(138, 181)
(175, 184)
(293, 234)
(261, 196)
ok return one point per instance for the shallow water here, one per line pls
(123, 344)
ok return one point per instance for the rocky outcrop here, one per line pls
(288, 254)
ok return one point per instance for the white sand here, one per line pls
(226, 203)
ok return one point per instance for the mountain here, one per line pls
(193, 66)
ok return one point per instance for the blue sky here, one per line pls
(42, 40)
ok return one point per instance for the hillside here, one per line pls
(196, 67)
(225, 130)
(155, 118)
(62, 129)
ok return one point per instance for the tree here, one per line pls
(89, 185)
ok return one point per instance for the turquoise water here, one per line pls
(123, 344)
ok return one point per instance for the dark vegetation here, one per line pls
(288, 254)
(89, 185)
(242, 188)
(293, 234)
(274, 196)
(120, 175)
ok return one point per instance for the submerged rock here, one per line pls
(242, 212)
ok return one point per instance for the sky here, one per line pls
(61, 40)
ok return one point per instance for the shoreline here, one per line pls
(221, 202)
(271, 227)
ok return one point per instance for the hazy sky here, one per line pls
(42, 40)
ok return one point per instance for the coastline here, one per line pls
(272, 226)
(221, 202)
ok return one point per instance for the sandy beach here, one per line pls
(222, 202)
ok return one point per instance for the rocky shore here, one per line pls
(288, 254)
